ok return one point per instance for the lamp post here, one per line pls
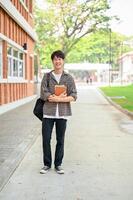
(110, 55)
(121, 64)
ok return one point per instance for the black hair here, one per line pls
(58, 54)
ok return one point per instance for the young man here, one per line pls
(56, 110)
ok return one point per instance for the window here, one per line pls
(15, 63)
(0, 59)
(15, 68)
(9, 66)
(20, 65)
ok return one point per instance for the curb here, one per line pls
(10, 106)
(130, 114)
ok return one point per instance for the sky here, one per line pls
(124, 10)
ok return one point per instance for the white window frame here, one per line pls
(1, 59)
(23, 2)
(22, 62)
(18, 60)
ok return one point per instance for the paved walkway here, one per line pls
(18, 130)
(98, 157)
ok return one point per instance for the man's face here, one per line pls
(58, 62)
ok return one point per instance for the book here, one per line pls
(59, 89)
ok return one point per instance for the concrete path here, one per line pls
(19, 128)
(98, 158)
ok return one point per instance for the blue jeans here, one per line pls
(47, 127)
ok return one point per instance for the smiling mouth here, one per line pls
(58, 65)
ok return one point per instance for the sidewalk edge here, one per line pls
(130, 114)
(10, 106)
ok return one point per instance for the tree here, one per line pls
(65, 22)
(96, 48)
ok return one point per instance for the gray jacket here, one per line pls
(47, 88)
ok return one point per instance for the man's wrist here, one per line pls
(66, 99)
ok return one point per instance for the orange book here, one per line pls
(59, 89)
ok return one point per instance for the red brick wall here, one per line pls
(14, 91)
(26, 14)
(15, 33)
(10, 92)
(11, 29)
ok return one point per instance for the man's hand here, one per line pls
(62, 95)
(61, 98)
(54, 98)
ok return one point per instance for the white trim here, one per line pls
(31, 55)
(16, 80)
(11, 42)
(31, 81)
(3, 80)
(19, 19)
(31, 15)
(7, 107)
(13, 80)
(24, 5)
(25, 51)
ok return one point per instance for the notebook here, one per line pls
(59, 89)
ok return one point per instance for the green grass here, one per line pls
(126, 91)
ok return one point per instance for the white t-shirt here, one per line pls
(57, 78)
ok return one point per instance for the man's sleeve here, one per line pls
(44, 92)
(72, 91)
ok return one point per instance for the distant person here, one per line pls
(87, 80)
(90, 80)
(56, 111)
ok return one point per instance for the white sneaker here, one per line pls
(59, 170)
(44, 170)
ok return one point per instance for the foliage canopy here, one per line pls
(65, 22)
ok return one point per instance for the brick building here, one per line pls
(17, 39)
(126, 67)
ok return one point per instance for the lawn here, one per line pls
(122, 95)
